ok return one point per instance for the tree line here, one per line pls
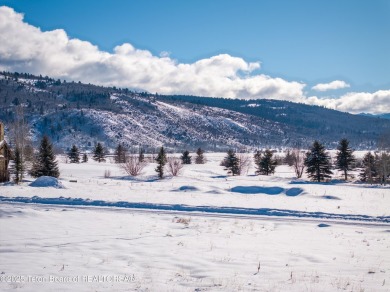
(316, 162)
(375, 168)
(134, 164)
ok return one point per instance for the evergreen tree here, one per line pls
(141, 155)
(98, 153)
(265, 163)
(344, 157)
(161, 161)
(257, 158)
(74, 154)
(200, 159)
(317, 162)
(231, 163)
(85, 158)
(382, 164)
(45, 163)
(186, 158)
(120, 154)
(18, 168)
(369, 172)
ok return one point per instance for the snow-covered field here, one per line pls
(201, 231)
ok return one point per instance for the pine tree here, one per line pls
(161, 161)
(200, 159)
(120, 154)
(98, 153)
(265, 163)
(369, 172)
(74, 155)
(317, 162)
(257, 158)
(186, 158)
(18, 168)
(45, 163)
(344, 157)
(85, 158)
(382, 164)
(231, 163)
(383, 157)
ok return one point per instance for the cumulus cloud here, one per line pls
(357, 102)
(165, 54)
(25, 48)
(337, 84)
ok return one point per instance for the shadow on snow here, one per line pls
(186, 208)
(267, 190)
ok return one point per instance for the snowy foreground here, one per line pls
(201, 231)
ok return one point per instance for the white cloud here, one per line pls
(25, 48)
(165, 54)
(337, 84)
(357, 102)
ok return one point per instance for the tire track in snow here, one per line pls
(181, 208)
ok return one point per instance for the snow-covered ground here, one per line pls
(201, 231)
(209, 185)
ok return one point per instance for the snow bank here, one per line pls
(47, 181)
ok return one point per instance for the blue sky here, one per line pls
(309, 42)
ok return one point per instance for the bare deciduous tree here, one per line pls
(107, 173)
(244, 162)
(133, 166)
(298, 160)
(20, 130)
(20, 138)
(174, 165)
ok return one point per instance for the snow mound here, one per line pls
(47, 181)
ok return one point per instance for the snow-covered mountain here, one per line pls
(83, 114)
(152, 124)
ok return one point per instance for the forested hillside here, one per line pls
(71, 112)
